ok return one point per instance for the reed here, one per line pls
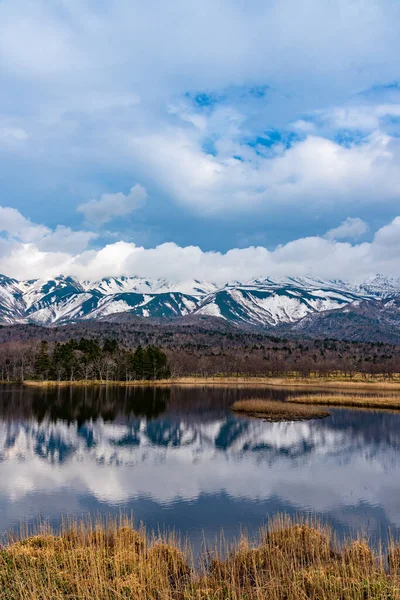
(337, 381)
(274, 410)
(291, 560)
(370, 401)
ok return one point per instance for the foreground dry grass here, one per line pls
(292, 561)
(273, 410)
(372, 401)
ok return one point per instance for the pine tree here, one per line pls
(42, 362)
(110, 346)
(64, 360)
(158, 363)
(138, 363)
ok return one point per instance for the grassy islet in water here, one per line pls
(274, 410)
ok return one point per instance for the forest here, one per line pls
(85, 359)
(125, 352)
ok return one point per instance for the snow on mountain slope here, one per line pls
(260, 302)
(11, 301)
(140, 285)
(382, 286)
(60, 308)
(271, 303)
(35, 290)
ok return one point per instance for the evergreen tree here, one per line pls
(42, 361)
(158, 361)
(64, 359)
(90, 348)
(110, 346)
(138, 363)
(147, 364)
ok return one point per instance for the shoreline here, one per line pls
(284, 382)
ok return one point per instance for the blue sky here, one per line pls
(220, 140)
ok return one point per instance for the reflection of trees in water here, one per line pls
(174, 416)
(159, 417)
(203, 401)
(80, 405)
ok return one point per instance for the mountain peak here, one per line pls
(261, 302)
(381, 285)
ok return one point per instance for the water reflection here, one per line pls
(179, 458)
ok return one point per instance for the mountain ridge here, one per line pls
(297, 303)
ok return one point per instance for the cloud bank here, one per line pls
(33, 251)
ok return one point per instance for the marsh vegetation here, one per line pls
(357, 400)
(290, 560)
(273, 410)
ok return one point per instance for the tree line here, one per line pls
(188, 353)
(86, 359)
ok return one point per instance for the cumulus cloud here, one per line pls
(351, 228)
(16, 225)
(43, 239)
(319, 256)
(112, 206)
(313, 171)
(63, 239)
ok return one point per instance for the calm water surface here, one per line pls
(179, 459)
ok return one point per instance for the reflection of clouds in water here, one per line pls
(313, 466)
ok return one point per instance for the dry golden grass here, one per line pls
(274, 410)
(371, 401)
(290, 561)
(336, 380)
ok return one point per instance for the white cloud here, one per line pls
(366, 117)
(352, 228)
(303, 126)
(23, 231)
(315, 171)
(63, 239)
(16, 225)
(79, 106)
(112, 206)
(12, 135)
(319, 256)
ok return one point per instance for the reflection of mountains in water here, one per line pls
(124, 425)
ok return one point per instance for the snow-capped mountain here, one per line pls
(381, 286)
(260, 302)
(271, 302)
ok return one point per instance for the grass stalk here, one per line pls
(291, 560)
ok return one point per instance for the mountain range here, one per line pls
(297, 304)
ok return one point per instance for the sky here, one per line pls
(218, 140)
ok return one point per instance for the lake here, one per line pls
(178, 458)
